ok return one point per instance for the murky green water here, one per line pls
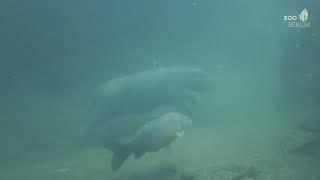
(77, 76)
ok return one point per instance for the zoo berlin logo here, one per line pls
(303, 22)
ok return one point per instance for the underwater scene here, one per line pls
(159, 90)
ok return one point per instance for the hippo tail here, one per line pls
(120, 153)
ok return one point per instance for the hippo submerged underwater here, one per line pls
(150, 137)
(143, 91)
(123, 104)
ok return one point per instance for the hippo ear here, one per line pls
(180, 134)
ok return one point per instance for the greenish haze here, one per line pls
(262, 109)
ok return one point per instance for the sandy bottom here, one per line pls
(241, 143)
